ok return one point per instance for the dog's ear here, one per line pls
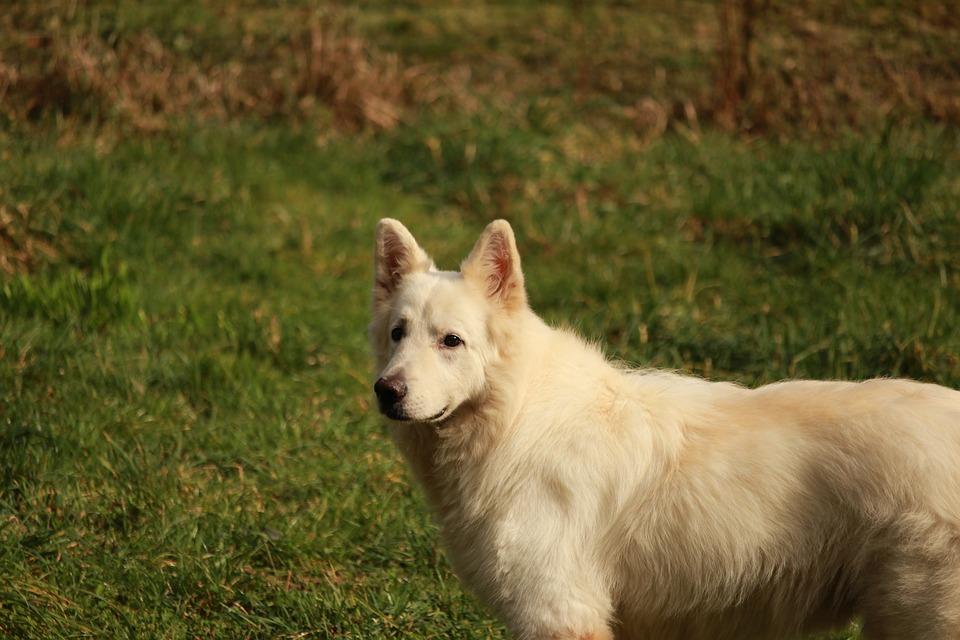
(494, 265)
(397, 255)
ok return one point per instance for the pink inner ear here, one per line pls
(395, 263)
(499, 266)
(394, 256)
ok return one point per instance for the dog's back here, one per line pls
(794, 505)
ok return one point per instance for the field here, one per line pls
(187, 199)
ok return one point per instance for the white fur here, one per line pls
(581, 500)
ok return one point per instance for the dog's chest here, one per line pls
(484, 523)
(487, 550)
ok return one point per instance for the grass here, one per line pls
(187, 445)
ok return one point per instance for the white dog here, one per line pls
(584, 501)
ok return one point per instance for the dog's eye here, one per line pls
(452, 340)
(396, 333)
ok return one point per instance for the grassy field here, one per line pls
(187, 446)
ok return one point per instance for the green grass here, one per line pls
(187, 446)
(187, 443)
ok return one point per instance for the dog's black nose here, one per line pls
(390, 391)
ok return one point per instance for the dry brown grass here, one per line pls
(746, 65)
(783, 68)
(751, 66)
(361, 87)
(22, 245)
(138, 80)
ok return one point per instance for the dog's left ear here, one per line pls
(494, 265)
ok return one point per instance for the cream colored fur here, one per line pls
(583, 500)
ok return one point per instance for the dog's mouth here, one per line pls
(439, 416)
(397, 414)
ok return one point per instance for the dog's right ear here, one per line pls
(397, 254)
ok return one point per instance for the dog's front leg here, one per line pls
(554, 612)
(548, 608)
(550, 580)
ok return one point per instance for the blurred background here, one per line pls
(740, 189)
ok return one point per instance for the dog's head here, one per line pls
(433, 332)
